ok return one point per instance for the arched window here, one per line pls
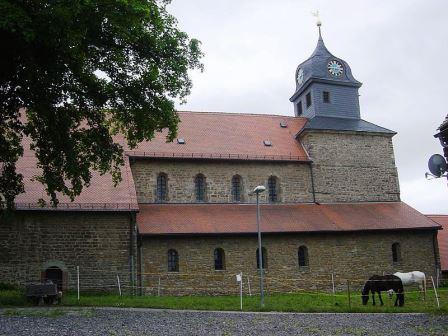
(162, 189)
(303, 256)
(199, 186)
(173, 261)
(264, 257)
(273, 189)
(236, 188)
(396, 252)
(219, 259)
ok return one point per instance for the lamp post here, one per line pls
(257, 191)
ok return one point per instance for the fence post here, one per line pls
(437, 277)
(241, 291)
(348, 293)
(248, 285)
(158, 288)
(77, 280)
(435, 292)
(332, 282)
(119, 285)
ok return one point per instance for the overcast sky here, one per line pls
(397, 49)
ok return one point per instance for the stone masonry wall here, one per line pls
(97, 242)
(349, 256)
(293, 178)
(352, 166)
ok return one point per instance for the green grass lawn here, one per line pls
(297, 302)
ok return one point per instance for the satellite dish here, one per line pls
(437, 165)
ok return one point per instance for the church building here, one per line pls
(183, 220)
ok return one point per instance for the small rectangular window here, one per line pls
(326, 96)
(308, 99)
(299, 108)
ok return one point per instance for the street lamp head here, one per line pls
(259, 189)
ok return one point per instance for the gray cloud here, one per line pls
(396, 48)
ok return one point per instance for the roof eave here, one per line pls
(188, 234)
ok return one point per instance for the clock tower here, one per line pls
(325, 86)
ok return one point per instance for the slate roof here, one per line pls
(315, 67)
(218, 219)
(230, 136)
(344, 124)
(442, 239)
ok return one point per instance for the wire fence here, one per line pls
(326, 287)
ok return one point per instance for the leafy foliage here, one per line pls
(75, 73)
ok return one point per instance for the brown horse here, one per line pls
(380, 283)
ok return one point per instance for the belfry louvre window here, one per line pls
(272, 188)
(236, 188)
(303, 256)
(308, 99)
(173, 261)
(326, 96)
(396, 253)
(162, 187)
(199, 185)
(219, 259)
(264, 258)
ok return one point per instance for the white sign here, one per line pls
(238, 277)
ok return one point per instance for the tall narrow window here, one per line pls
(273, 189)
(396, 253)
(199, 185)
(173, 261)
(219, 259)
(299, 108)
(308, 99)
(264, 257)
(236, 188)
(162, 187)
(303, 256)
(326, 96)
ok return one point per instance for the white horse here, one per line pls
(415, 277)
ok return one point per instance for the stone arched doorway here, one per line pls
(55, 274)
(55, 271)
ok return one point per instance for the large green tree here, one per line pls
(75, 72)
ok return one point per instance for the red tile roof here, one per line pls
(442, 239)
(159, 219)
(100, 195)
(214, 135)
(207, 135)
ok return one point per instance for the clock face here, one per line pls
(300, 76)
(335, 68)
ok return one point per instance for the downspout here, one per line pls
(140, 261)
(435, 246)
(132, 248)
(310, 164)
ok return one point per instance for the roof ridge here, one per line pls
(241, 113)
